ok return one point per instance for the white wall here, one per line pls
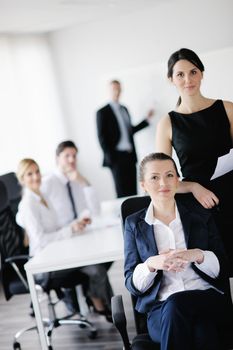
(134, 49)
(31, 116)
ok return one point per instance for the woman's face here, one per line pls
(32, 178)
(187, 78)
(160, 179)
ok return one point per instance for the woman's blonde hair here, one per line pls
(23, 166)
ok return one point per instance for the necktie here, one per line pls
(124, 116)
(71, 199)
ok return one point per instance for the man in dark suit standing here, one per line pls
(115, 133)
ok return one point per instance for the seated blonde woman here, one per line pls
(37, 216)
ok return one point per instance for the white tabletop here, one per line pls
(101, 242)
(90, 247)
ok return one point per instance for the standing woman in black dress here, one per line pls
(200, 130)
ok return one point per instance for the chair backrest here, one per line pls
(11, 235)
(4, 201)
(132, 205)
(13, 188)
(11, 239)
(129, 206)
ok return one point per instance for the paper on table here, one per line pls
(92, 200)
(100, 222)
(224, 165)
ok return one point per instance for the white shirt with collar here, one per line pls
(55, 188)
(39, 222)
(172, 237)
(122, 117)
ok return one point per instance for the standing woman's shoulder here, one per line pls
(164, 136)
(229, 110)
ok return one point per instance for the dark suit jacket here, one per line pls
(200, 232)
(109, 133)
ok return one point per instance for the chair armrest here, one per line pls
(119, 319)
(13, 261)
(17, 258)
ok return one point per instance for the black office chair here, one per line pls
(13, 258)
(142, 340)
(11, 244)
(128, 207)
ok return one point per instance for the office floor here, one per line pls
(14, 315)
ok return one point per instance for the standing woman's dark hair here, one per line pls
(183, 54)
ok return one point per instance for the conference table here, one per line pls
(101, 242)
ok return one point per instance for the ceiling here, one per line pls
(39, 16)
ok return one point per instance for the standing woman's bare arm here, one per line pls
(163, 136)
(229, 110)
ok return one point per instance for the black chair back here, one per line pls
(14, 190)
(129, 206)
(4, 201)
(132, 205)
(11, 235)
(11, 244)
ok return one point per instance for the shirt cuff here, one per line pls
(66, 232)
(210, 264)
(142, 277)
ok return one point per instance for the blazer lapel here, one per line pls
(111, 113)
(113, 125)
(146, 234)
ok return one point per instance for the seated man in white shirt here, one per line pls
(175, 263)
(73, 197)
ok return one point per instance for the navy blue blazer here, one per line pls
(200, 232)
(109, 133)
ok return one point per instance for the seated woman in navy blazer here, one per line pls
(175, 263)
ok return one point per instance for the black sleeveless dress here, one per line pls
(199, 139)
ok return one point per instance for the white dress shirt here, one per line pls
(39, 222)
(172, 237)
(55, 188)
(124, 143)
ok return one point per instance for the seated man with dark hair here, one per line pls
(73, 197)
